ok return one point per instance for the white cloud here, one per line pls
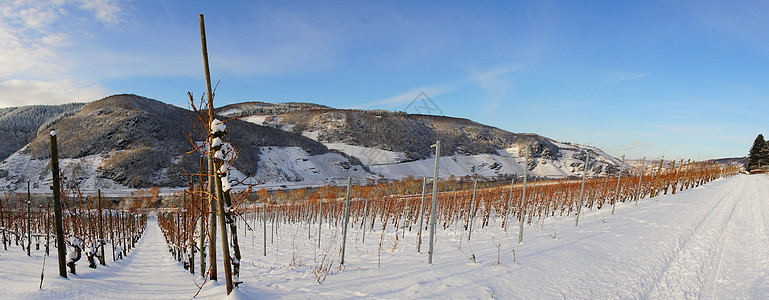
(17, 92)
(33, 65)
(107, 11)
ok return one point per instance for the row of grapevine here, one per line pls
(87, 229)
(407, 216)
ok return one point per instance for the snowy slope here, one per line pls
(20, 167)
(292, 164)
(396, 164)
(278, 166)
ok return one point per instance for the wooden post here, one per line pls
(421, 213)
(29, 221)
(223, 231)
(667, 180)
(202, 220)
(211, 171)
(112, 233)
(57, 207)
(264, 226)
(522, 211)
(434, 206)
(363, 224)
(346, 217)
(101, 229)
(472, 209)
(320, 223)
(47, 229)
(510, 200)
(656, 188)
(616, 190)
(675, 178)
(640, 178)
(582, 189)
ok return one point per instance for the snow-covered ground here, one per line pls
(707, 242)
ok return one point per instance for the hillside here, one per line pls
(137, 142)
(19, 125)
(128, 142)
(396, 144)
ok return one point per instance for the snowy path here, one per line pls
(708, 242)
(724, 255)
(148, 272)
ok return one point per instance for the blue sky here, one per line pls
(683, 79)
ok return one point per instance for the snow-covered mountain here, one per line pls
(128, 141)
(396, 144)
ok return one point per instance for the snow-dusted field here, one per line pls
(707, 242)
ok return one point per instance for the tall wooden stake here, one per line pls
(29, 221)
(522, 211)
(472, 209)
(264, 227)
(219, 196)
(421, 214)
(656, 188)
(101, 229)
(202, 220)
(434, 206)
(211, 171)
(640, 178)
(510, 201)
(616, 190)
(582, 190)
(57, 207)
(346, 217)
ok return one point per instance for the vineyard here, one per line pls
(87, 229)
(318, 233)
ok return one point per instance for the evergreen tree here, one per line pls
(759, 153)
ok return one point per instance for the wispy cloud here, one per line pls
(488, 80)
(106, 11)
(638, 145)
(403, 99)
(493, 83)
(616, 77)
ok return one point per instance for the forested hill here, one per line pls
(19, 125)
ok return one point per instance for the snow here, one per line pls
(312, 135)
(281, 164)
(21, 167)
(368, 156)
(232, 112)
(226, 187)
(256, 119)
(707, 242)
(217, 126)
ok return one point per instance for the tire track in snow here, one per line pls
(674, 280)
(712, 283)
(743, 270)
